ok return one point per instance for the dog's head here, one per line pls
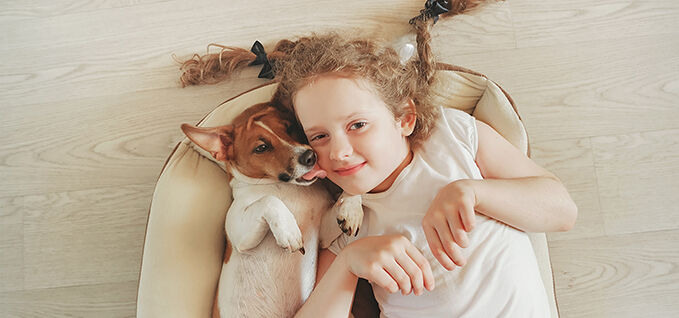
(261, 143)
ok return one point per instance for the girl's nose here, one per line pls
(340, 148)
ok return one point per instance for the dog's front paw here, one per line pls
(350, 214)
(287, 234)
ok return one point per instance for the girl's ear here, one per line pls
(408, 120)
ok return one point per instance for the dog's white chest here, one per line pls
(267, 280)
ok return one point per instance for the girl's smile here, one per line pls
(349, 170)
(356, 137)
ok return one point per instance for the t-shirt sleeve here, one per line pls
(463, 127)
(338, 244)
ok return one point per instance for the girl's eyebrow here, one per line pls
(314, 128)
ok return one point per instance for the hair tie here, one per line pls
(432, 10)
(260, 58)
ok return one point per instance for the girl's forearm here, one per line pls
(531, 204)
(333, 295)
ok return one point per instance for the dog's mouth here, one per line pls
(302, 181)
(311, 176)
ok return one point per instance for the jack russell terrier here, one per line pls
(272, 178)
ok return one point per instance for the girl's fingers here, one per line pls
(424, 266)
(451, 248)
(436, 248)
(399, 275)
(467, 215)
(456, 227)
(413, 271)
(383, 279)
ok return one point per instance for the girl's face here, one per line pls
(358, 141)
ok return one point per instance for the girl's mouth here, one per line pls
(347, 171)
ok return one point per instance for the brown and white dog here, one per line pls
(277, 210)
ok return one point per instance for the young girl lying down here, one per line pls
(446, 198)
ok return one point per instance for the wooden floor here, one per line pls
(90, 107)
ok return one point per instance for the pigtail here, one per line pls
(426, 64)
(212, 68)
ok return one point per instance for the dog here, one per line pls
(276, 211)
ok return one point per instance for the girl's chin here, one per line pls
(353, 188)
(348, 186)
(354, 184)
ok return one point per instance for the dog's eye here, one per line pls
(262, 148)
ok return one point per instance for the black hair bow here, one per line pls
(267, 69)
(432, 10)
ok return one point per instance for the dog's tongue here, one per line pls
(315, 172)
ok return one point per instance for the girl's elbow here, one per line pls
(570, 216)
(569, 209)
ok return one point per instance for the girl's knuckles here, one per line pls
(374, 270)
(393, 288)
(440, 254)
(402, 241)
(383, 256)
(403, 280)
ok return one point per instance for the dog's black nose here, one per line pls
(308, 158)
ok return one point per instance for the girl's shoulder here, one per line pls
(456, 126)
(455, 117)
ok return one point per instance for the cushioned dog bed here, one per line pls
(184, 242)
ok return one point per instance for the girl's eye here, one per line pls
(262, 148)
(358, 125)
(317, 137)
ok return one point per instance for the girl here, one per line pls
(446, 198)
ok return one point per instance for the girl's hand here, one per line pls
(449, 218)
(390, 261)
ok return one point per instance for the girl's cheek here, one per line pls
(323, 158)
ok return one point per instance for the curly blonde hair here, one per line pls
(297, 63)
(369, 59)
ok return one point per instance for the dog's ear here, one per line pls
(218, 141)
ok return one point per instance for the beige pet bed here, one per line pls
(184, 242)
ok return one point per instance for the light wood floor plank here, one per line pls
(598, 88)
(488, 28)
(10, 211)
(102, 300)
(631, 275)
(15, 10)
(11, 257)
(638, 182)
(583, 20)
(100, 230)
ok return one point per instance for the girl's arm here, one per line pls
(334, 291)
(390, 261)
(515, 190)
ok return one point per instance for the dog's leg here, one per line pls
(350, 214)
(329, 230)
(248, 228)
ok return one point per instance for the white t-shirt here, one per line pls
(501, 277)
